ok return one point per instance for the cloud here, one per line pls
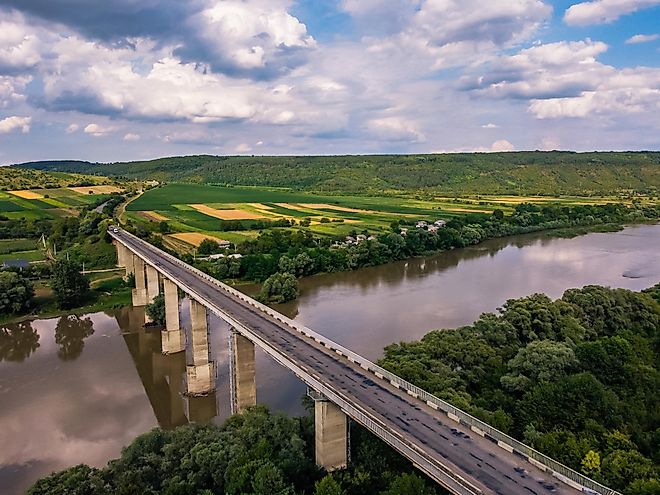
(246, 39)
(131, 137)
(395, 129)
(604, 11)
(12, 89)
(243, 148)
(97, 130)
(15, 123)
(642, 38)
(565, 79)
(72, 128)
(490, 126)
(502, 145)
(19, 45)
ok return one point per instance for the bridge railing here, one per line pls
(558, 470)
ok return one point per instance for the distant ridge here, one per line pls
(519, 173)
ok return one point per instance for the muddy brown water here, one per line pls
(78, 389)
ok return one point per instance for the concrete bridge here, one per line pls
(460, 452)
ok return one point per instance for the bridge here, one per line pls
(458, 451)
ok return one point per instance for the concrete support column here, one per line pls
(244, 378)
(121, 250)
(153, 283)
(140, 291)
(172, 338)
(200, 372)
(331, 436)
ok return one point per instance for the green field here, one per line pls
(12, 178)
(342, 214)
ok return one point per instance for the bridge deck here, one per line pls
(475, 459)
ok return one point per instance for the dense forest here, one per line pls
(576, 378)
(254, 453)
(544, 173)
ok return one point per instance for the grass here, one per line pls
(13, 245)
(31, 255)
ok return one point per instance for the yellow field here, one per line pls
(152, 215)
(96, 189)
(260, 206)
(193, 238)
(26, 194)
(324, 206)
(234, 214)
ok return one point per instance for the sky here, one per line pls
(138, 79)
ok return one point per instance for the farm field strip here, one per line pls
(194, 238)
(96, 189)
(27, 194)
(230, 214)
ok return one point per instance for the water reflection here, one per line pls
(70, 334)
(18, 341)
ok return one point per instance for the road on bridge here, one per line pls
(474, 458)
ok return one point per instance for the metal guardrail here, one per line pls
(556, 469)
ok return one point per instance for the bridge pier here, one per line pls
(200, 373)
(172, 338)
(331, 434)
(244, 378)
(153, 287)
(140, 291)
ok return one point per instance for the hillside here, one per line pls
(12, 179)
(522, 173)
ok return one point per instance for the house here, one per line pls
(371, 238)
(440, 223)
(350, 239)
(224, 244)
(433, 228)
(215, 256)
(20, 264)
(235, 256)
(421, 224)
(361, 237)
(404, 231)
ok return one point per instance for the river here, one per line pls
(76, 390)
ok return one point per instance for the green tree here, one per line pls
(279, 288)
(591, 463)
(70, 286)
(156, 310)
(328, 486)
(541, 360)
(164, 227)
(77, 480)
(408, 484)
(15, 292)
(208, 246)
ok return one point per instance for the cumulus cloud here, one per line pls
(72, 128)
(15, 123)
(490, 125)
(19, 45)
(565, 79)
(642, 38)
(502, 145)
(604, 11)
(130, 136)
(97, 130)
(396, 129)
(246, 38)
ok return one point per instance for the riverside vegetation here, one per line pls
(576, 378)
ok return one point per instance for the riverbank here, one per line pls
(106, 293)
